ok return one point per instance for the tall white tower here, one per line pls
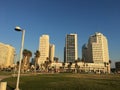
(43, 48)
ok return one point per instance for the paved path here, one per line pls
(3, 77)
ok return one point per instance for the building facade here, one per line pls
(52, 52)
(98, 68)
(43, 48)
(85, 57)
(7, 54)
(47, 50)
(97, 49)
(71, 48)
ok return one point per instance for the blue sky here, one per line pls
(58, 18)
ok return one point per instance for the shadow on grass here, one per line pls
(9, 87)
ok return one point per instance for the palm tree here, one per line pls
(82, 60)
(69, 66)
(105, 64)
(47, 63)
(110, 61)
(17, 65)
(109, 70)
(56, 59)
(37, 55)
(76, 66)
(78, 59)
(63, 64)
(27, 54)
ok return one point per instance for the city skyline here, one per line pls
(58, 18)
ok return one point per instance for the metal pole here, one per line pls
(21, 50)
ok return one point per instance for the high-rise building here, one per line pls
(71, 48)
(52, 52)
(44, 48)
(47, 50)
(97, 49)
(7, 54)
(85, 57)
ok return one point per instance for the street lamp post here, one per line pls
(22, 44)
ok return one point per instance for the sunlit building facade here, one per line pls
(43, 48)
(96, 50)
(47, 50)
(52, 52)
(7, 54)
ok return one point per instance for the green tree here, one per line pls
(78, 59)
(110, 61)
(56, 59)
(63, 64)
(27, 54)
(76, 66)
(69, 66)
(37, 55)
(47, 63)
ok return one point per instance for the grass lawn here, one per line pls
(5, 73)
(66, 82)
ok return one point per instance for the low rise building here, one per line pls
(83, 67)
(7, 54)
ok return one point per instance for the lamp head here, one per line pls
(17, 28)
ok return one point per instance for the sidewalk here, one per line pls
(3, 77)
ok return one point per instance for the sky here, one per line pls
(58, 18)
